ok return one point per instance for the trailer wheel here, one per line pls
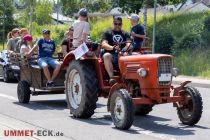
(143, 109)
(191, 110)
(23, 92)
(81, 88)
(121, 108)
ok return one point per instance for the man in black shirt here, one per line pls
(114, 40)
(137, 32)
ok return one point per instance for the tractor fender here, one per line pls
(114, 88)
(180, 88)
(68, 58)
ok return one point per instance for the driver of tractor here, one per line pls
(112, 43)
(46, 47)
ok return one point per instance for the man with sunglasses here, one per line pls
(114, 40)
(46, 47)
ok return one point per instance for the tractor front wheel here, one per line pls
(190, 110)
(121, 108)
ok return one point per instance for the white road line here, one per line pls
(8, 97)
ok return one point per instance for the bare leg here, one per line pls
(108, 64)
(47, 73)
(56, 71)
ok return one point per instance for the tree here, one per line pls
(72, 6)
(7, 10)
(134, 6)
(42, 12)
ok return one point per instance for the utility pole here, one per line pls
(154, 27)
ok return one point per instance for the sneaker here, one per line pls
(112, 82)
(50, 84)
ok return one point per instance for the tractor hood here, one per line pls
(137, 58)
(157, 67)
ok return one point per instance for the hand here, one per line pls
(116, 48)
(82, 41)
(27, 55)
(133, 34)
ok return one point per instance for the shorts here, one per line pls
(45, 61)
(114, 59)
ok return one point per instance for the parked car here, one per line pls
(8, 71)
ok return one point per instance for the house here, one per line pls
(61, 19)
(206, 2)
(195, 7)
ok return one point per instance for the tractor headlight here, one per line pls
(142, 72)
(175, 72)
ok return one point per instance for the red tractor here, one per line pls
(143, 80)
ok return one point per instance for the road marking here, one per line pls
(8, 97)
(154, 135)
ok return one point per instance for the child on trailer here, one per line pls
(25, 44)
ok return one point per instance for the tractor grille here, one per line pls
(164, 67)
(132, 68)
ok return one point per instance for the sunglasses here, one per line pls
(71, 29)
(117, 24)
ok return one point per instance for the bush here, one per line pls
(164, 41)
(194, 62)
(190, 41)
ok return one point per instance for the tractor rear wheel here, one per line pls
(121, 108)
(81, 88)
(191, 110)
(143, 109)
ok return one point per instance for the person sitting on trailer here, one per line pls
(46, 47)
(67, 42)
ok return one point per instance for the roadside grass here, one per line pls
(194, 63)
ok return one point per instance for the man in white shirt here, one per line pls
(81, 28)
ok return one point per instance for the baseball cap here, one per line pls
(46, 31)
(28, 37)
(134, 17)
(83, 12)
(117, 18)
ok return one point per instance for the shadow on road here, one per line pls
(103, 120)
(45, 105)
(160, 125)
(14, 81)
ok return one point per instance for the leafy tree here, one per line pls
(133, 6)
(72, 6)
(6, 6)
(42, 12)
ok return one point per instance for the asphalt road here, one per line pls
(49, 112)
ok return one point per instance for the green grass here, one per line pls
(194, 63)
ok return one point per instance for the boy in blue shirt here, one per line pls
(46, 47)
(137, 32)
